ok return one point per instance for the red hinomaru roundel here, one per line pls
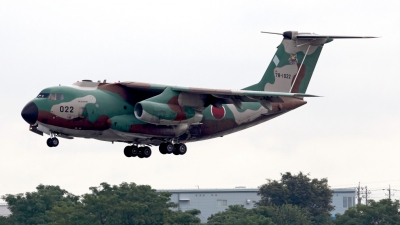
(217, 113)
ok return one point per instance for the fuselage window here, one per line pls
(43, 95)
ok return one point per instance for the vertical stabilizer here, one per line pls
(293, 64)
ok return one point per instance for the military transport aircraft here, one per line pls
(143, 115)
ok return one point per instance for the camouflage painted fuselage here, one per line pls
(106, 111)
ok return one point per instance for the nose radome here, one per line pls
(30, 113)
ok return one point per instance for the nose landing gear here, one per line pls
(52, 141)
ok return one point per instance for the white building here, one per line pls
(4, 211)
(342, 199)
(211, 201)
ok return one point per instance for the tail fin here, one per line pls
(294, 62)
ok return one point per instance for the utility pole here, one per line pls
(390, 192)
(358, 194)
(361, 193)
(366, 195)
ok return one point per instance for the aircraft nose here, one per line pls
(30, 113)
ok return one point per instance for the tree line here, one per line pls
(294, 199)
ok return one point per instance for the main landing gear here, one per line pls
(141, 152)
(145, 152)
(176, 149)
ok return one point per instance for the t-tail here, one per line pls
(293, 64)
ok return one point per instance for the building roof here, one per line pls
(343, 190)
(211, 190)
(224, 190)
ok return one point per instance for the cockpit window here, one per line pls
(43, 95)
(59, 96)
(51, 96)
(56, 96)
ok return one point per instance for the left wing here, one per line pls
(236, 97)
(200, 98)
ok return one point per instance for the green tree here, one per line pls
(69, 215)
(238, 215)
(383, 212)
(282, 215)
(127, 204)
(124, 204)
(311, 194)
(5, 220)
(188, 217)
(285, 214)
(31, 207)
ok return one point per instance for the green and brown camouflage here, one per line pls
(152, 114)
(164, 109)
(288, 65)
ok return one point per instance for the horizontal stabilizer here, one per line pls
(293, 35)
(316, 36)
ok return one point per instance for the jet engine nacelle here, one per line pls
(129, 126)
(166, 114)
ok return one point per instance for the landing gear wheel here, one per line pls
(169, 147)
(128, 151)
(162, 149)
(54, 142)
(140, 152)
(176, 149)
(49, 143)
(180, 148)
(134, 151)
(146, 152)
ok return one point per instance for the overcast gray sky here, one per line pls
(350, 135)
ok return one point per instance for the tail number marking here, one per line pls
(67, 109)
(283, 75)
